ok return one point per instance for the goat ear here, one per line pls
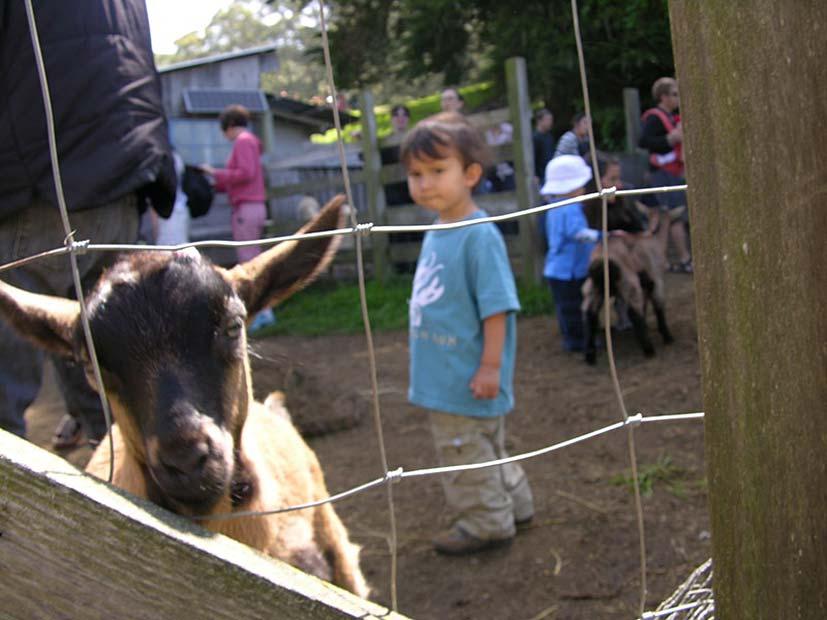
(676, 212)
(274, 275)
(44, 320)
(641, 208)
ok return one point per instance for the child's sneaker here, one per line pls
(456, 541)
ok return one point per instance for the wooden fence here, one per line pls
(74, 547)
(370, 178)
(384, 252)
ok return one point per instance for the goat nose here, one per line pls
(185, 457)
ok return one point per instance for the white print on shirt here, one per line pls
(427, 288)
(439, 339)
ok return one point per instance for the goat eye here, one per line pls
(234, 329)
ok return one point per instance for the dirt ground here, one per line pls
(579, 558)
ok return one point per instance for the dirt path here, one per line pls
(580, 557)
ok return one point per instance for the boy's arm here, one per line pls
(486, 381)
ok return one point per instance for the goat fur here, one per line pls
(280, 467)
(637, 263)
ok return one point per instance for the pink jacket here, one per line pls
(243, 178)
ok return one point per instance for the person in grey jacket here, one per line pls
(114, 159)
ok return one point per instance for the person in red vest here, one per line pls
(662, 135)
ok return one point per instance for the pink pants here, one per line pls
(248, 224)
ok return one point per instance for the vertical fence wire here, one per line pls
(377, 415)
(67, 228)
(630, 432)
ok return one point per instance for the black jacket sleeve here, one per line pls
(112, 136)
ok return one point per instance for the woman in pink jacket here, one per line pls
(243, 181)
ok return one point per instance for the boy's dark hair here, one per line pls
(436, 136)
(234, 115)
(400, 108)
(577, 118)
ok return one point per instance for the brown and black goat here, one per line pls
(169, 331)
(637, 263)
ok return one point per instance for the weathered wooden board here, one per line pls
(73, 547)
(751, 77)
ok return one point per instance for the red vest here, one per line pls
(672, 161)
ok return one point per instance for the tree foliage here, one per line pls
(626, 44)
(252, 23)
(404, 49)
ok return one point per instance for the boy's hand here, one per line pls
(486, 383)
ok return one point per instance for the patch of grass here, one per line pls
(333, 308)
(662, 471)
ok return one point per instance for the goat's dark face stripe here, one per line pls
(169, 334)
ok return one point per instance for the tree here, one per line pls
(626, 44)
(250, 23)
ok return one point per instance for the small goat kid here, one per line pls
(169, 331)
(637, 263)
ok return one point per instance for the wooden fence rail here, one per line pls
(74, 547)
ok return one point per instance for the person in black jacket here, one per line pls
(543, 143)
(114, 160)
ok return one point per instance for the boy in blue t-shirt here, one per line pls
(463, 337)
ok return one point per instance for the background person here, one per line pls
(243, 181)
(570, 244)
(463, 337)
(400, 119)
(114, 157)
(576, 140)
(396, 193)
(662, 135)
(451, 100)
(543, 143)
(175, 229)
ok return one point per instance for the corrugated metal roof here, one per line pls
(214, 100)
(187, 64)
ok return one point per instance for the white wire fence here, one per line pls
(73, 248)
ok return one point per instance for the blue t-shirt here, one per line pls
(567, 258)
(462, 277)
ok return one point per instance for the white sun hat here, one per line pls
(564, 174)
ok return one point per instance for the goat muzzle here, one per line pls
(193, 467)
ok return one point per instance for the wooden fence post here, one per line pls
(374, 189)
(74, 547)
(520, 106)
(631, 112)
(757, 188)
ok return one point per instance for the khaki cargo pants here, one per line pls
(35, 229)
(483, 502)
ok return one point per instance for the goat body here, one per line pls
(636, 267)
(170, 339)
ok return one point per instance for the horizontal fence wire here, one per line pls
(83, 246)
(399, 473)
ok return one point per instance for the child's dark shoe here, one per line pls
(456, 541)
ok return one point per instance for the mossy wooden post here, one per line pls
(520, 105)
(71, 546)
(753, 103)
(631, 113)
(375, 191)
